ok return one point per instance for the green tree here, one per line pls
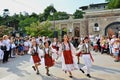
(41, 17)
(27, 22)
(36, 29)
(1, 20)
(34, 15)
(4, 30)
(113, 4)
(47, 12)
(58, 16)
(78, 14)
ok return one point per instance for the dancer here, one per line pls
(49, 61)
(36, 54)
(86, 55)
(55, 45)
(78, 52)
(67, 52)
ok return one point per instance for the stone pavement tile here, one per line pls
(104, 68)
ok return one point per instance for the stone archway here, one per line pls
(76, 29)
(112, 28)
(63, 29)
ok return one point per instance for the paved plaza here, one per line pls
(19, 68)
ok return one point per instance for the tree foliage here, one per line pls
(34, 24)
(58, 16)
(27, 22)
(47, 12)
(78, 14)
(113, 4)
(37, 29)
(5, 30)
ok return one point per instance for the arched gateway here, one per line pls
(112, 28)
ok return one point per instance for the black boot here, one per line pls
(88, 75)
(37, 72)
(47, 73)
(34, 68)
(82, 70)
(71, 76)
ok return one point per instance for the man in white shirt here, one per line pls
(6, 42)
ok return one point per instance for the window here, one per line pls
(96, 25)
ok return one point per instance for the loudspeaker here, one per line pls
(63, 33)
(55, 34)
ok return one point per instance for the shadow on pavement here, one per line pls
(95, 78)
(15, 65)
(104, 69)
(52, 77)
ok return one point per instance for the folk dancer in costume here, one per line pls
(49, 61)
(78, 52)
(36, 54)
(41, 44)
(55, 45)
(86, 55)
(67, 51)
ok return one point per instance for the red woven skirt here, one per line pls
(95, 47)
(48, 61)
(54, 47)
(36, 58)
(79, 54)
(68, 57)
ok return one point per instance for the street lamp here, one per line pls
(52, 14)
(55, 32)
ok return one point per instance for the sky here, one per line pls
(38, 6)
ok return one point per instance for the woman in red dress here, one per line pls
(67, 52)
(36, 54)
(55, 45)
(49, 62)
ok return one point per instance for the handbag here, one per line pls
(4, 48)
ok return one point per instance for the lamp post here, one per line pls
(52, 14)
(55, 32)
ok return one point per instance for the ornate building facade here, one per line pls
(105, 22)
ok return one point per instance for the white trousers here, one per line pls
(87, 62)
